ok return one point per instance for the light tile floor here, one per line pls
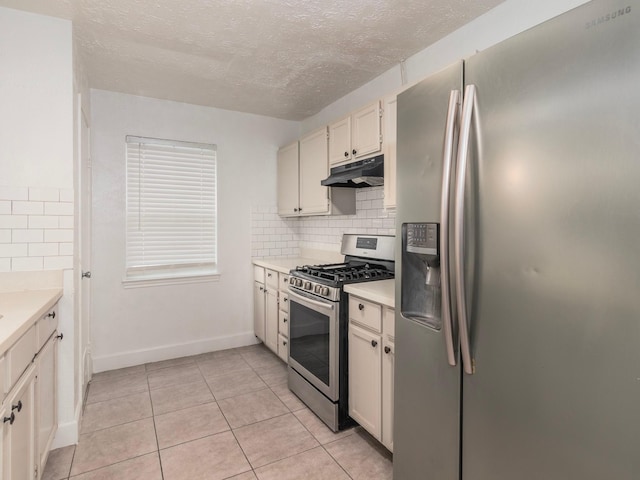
(220, 415)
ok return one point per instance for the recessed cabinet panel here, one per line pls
(47, 419)
(19, 443)
(271, 320)
(340, 141)
(271, 279)
(258, 310)
(365, 137)
(390, 136)
(314, 198)
(288, 180)
(388, 363)
(283, 348)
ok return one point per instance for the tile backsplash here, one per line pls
(273, 236)
(36, 228)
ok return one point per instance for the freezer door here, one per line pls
(553, 257)
(427, 388)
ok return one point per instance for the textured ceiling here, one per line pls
(281, 58)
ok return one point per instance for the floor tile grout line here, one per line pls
(111, 464)
(155, 429)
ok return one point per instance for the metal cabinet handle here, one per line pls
(461, 294)
(346, 154)
(354, 151)
(17, 407)
(374, 343)
(360, 306)
(284, 343)
(295, 209)
(52, 314)
(445, 215)
(10, 419)
(86, 274)
(286, 299)
(60, 337)
(285, 320)
(269, 275)
(261, 289)
(387, 350)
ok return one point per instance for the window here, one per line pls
(171, 210)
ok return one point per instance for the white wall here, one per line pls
(36, 171)
(500, 23)
(135, 325)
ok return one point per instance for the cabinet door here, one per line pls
(283, 348)
(390, 135)
(283, 322)
(365, 137)
(340, 141)
(258, 310)
(19, 445)
(365, 397)
(314, 198)
(288, 180)
(388, 362)
(271, 323)
(46, 399)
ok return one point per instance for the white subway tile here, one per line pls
(43, 249)
(13, 249)
(44, 194)
(65, 221)
(5, 207)
(13, 221)
(27, 236)
(26, 264)
(58, 208)
(5, 235)
(65, 248)
(55, 263)
(27, 208)
(58, 235)
(66, 195)
(5, 265)
(14, 193)
(42, 221)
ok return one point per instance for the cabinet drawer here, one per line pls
(366, 313)
(2, 376)
(284, 302)
(19, 357)
(283, 323)
(46, 326)
(284, 282)
(258, 274)
(271, 279)
(283, 348)
(389, 322)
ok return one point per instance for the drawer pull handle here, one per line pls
(284, 320)
(17, 407)
(52, 314)
(60, 337)
(374, 343)
(387, 350)
(360, 306)
(10, 419)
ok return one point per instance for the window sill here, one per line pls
(153, 280)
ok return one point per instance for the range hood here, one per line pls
(363, 173)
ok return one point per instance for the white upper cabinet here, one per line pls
(356, 136)
(288, 180)
(390, 135)
(314, 167)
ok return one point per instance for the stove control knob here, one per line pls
(307, 286)
(317, 289)
(325, 291)
(298, 282)
(292, 281)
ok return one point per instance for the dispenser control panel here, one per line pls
(423, 238)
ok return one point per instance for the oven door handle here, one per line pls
(293, 294)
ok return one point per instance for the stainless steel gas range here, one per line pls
(318, 347)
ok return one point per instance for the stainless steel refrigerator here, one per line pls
(518, 290)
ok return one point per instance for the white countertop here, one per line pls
(284, 264)
(20, 310)
(381, 291)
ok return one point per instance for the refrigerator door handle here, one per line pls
(461, 297)
(445, 209)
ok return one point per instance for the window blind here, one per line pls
(171, 206)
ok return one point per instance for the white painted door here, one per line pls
(390, 135)
(340, 141)
(314, 167)
(365, 137)
(258, 310)
(365, 396)
(288, 180)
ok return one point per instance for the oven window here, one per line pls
(309, 340)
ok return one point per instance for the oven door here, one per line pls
(313, 341)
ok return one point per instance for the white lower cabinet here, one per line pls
(258, 310)
(271, 320)
(47, 407)
(271, 309)
(371, 368)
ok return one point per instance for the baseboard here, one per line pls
(165, 352)
(67, 433)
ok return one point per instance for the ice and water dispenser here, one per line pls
(421, 294)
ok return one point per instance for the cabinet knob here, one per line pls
(295, 209)
(300, 209)
(284, 343)
(52, 314)
(346, 154)
(387, 350)
(269, 275)
(17, 407)
(354, 151)
(10, 419)
(60, 337)
(374, 343)
(286, 299)
(284, 320)
(261, 289)
(360, 306)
